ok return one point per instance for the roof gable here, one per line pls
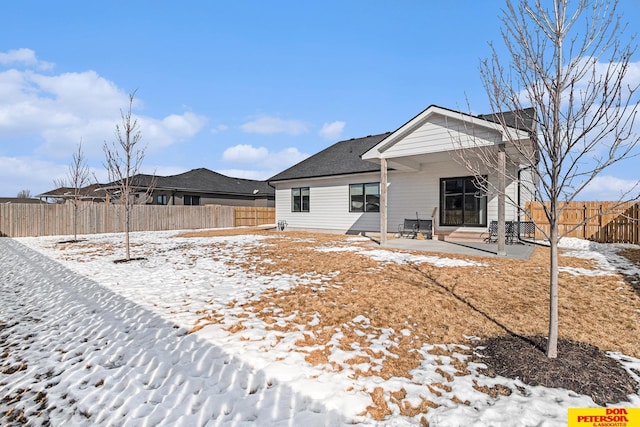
(438, 129)
(207, 181)
(341, 158)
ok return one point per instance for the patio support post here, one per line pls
(502, 165)
(383, 202)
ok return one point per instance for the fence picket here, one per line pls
(24, 220)
(604, 222)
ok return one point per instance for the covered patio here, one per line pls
(516, 251)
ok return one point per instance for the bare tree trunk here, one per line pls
(123, 162)
(568, 83)
(552, 343)
(502, 162)
(127, 255)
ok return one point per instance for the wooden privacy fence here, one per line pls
(23, 220)
(604, 222)
(249, 216)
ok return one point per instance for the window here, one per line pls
(300, 199)
(364, 197)
(191, 200)
(463, 202)
(161, 199)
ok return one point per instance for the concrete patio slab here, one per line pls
(516, 251)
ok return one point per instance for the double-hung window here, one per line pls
(463, 202)
(364, 197)
(191, 200)
(300, 199)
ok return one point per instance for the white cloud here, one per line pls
(285, 158)
(268, 125)
(25, 57)
(219, 128)
(23, 173)
(259, 175)
(265, 162)
(244, 153)
(610, 188)
(172, 129)
(60, 110)
(332, 130)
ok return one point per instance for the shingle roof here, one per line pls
(519, 119)
(93, 191)
(206, 181)
(20, 200)
(342, 158)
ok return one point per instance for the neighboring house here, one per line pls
(93, 193)
(205, 187)
(338, 189)
(22, 200)
(196, 187)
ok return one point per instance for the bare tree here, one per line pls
(582, 109)
(123, 160)
(79, 177)
(24, 194)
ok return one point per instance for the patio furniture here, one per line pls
(493, 232)
(408, 229)
(514, 230)
(527, 229)
(425, 228)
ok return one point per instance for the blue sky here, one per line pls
(245, 88)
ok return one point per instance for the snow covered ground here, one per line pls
(90, 342)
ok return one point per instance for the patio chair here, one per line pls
(408, 229)
(493, 232)
(527, 229)
(425, 228)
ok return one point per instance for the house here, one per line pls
(22, 200)
(195, 187)
(93, 193)
(339, 189)
(205, 187)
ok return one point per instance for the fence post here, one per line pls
(601, 233)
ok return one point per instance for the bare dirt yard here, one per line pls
(495, 301)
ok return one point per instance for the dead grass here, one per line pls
(437, 304)
(424, 304)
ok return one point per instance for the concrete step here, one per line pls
(467, 236)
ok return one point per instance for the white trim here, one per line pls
(506, 135)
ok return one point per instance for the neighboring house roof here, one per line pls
(203, 180)
(207, 181)
(342, 158)
(93, 191)
(19, 200)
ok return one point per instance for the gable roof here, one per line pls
(342, 158)
(519, 119)
(200, 180)
(93, 191)
(20, 200)
(489, 121)
(203, 180)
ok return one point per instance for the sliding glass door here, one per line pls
(462, 202)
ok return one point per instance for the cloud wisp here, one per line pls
(60, 110)
(264, 162)
(269, 125)
(25, 57)
(333, 130)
